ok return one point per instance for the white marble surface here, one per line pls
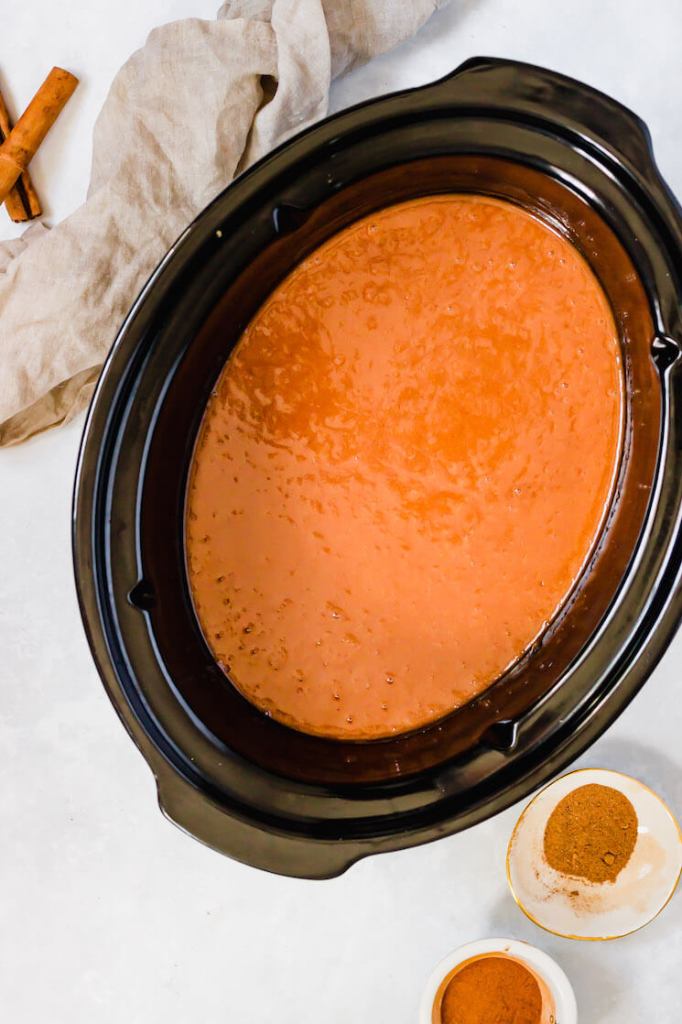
(107, 913)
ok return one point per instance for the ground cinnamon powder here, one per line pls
(492, 990)
(591, 833)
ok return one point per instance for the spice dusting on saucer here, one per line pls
(591, 833)
(492, 990)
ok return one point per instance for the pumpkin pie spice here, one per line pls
(591, 833)
(492, 990)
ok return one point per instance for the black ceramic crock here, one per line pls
(241, 782)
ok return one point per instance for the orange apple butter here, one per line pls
(404, 466)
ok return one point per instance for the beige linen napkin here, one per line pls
(199, 103)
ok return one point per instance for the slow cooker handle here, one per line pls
(266, 848)
(543, 95)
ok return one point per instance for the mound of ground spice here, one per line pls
(492, 990)
(591, 833)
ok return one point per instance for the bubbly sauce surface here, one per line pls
(403, 466)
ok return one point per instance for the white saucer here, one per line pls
(574, 907)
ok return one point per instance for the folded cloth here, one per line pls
(196, 105)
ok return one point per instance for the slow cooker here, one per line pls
(239, 781)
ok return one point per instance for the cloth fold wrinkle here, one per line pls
(199, 103)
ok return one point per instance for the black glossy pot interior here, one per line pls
(295, 232)
(234, 776)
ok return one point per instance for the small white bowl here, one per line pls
(540, 964)
(575, 908)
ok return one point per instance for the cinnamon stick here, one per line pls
(22, 201)
(22, 142)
